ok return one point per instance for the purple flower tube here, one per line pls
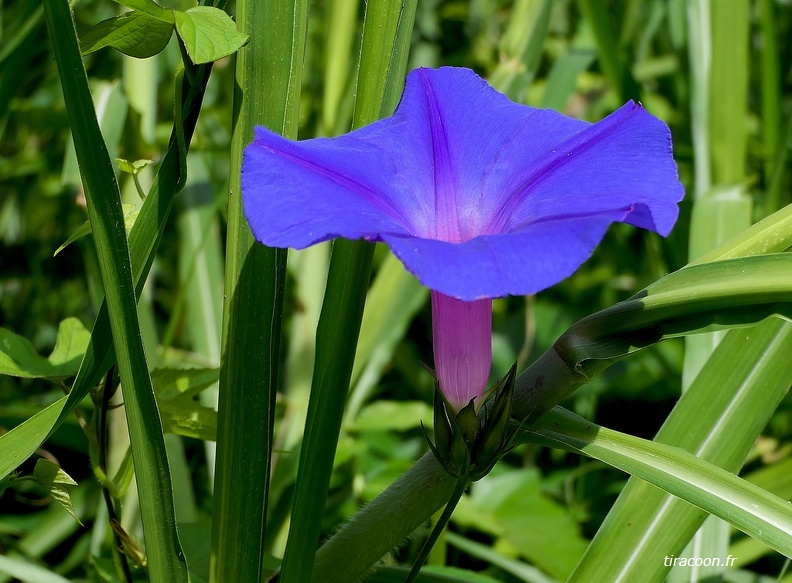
(462, 336)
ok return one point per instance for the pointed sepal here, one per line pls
(469, 443)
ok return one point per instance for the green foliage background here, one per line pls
(533, 518)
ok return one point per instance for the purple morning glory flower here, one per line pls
(478, 196)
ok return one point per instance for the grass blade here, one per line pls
(386, 40)
(728, 91)
(725, 208)
(340, 32)
(252, 310)
(166, 558)
(718, 419)
(753, 510)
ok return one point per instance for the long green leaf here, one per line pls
(386, 40)
(610, 54)
(728, 95)
(771, 100)
(17, 443)
(268, 78)
(771, 234)
(723, 209)
(700, 51)
(753, 510)
(18, 357)
(166, 558)
(340, 31)
(26, 570)
(718, 419)
(724, 293)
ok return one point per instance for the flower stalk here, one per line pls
(441, 523)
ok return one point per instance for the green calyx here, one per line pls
(468, 443)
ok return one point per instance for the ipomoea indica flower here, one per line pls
(480, 197)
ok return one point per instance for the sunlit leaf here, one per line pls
(189, 418)
(208, 34)
(174, 383)
(753, 510)
(54, 480)
(132, 167)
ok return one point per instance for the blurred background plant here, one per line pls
(717, 72)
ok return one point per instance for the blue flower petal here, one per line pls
(479, 196)
(296, 194)
(624, 161)
(519, 263)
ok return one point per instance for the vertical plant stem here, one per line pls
(608, 50)
(386, 37)
(268, 74)
(166, 559)
(101, 408)
(437, 530)
(339, 324)
(340, 32)
(771, 102)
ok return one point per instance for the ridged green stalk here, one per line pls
(383, 59)
(268, 75)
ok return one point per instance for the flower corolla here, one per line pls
(478, 196)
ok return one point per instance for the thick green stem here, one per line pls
(393, 516)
